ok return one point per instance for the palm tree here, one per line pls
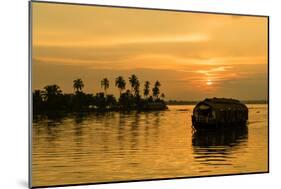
(52, 97)
(105, 84)
(133, 80)
(51, 91)
(146, 88)
(120, 83)
(156, 90)
(78, 85)
(137, 88)
(134, 83)
(157, 84)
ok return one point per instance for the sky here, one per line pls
(193, 55)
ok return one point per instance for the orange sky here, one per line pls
(193, 55)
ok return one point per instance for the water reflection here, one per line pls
(115, 146)
(217, 148)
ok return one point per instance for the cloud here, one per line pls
(112, 41)
(182, 50)
(214, 70)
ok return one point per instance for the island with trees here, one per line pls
(52, 100)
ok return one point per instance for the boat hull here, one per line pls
(213, 124)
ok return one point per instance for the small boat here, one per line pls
(213, 113)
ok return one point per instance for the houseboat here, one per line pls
(219, 113)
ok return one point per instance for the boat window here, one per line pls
(204, 107)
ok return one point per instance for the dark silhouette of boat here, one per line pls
(215, 113)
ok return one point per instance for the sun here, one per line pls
(209, 82)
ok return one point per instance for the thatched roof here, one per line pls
(222, 104)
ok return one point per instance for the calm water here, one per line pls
(128, 146)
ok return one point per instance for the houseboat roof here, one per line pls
(223, 104)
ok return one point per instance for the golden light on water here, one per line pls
(143, 146)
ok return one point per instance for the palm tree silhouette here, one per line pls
(133, 79)
(135, 84)
(120, 83)
(105, 84)
(52, 99)
(78, 85)
(137, 88)
(156, 90)
(146, 88)
(157, 84)
(51, 91)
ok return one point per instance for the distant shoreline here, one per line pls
(178, 102)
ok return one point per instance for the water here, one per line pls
(130, 146)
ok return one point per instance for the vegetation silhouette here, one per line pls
(52, 100)
(105, 84)
(120, 83)
(78, 85)
(146, 89)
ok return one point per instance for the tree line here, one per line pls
(52, 99)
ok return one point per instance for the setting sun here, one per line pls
(209, 82)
